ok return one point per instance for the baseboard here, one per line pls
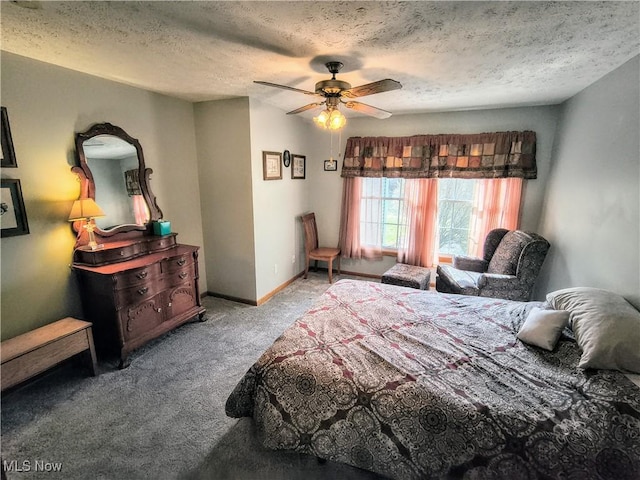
(260, 301)
(269, 295)
(359, 274)
(233, 299)
(347, 272)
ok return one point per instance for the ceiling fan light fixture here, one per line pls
(336, 120)
(322, 118)
(330, 118)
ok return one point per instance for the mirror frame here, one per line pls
(88, 187)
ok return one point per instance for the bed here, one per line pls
(417, 384)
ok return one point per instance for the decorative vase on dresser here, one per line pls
(134, 285)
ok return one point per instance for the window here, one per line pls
(455, 206)
(383, 215)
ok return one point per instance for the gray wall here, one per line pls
(224, 175)
(591, 213)
(252, 229)
(47, 105)
(278, 204)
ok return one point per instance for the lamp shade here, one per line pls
(85, 208)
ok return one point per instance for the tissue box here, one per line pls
(162, 227)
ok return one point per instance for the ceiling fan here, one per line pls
(336, 91)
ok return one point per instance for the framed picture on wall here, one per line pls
(330, 165)
(271, 166)
(12, 211)
(298, 166)
(8, 154)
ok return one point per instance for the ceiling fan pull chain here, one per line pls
(331, 149)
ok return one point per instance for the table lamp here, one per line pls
(86, 209)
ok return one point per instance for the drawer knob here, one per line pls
(142, 274)
(143, 290)
(159, 309)
(182, 275)
(182, 261)
(169, 304)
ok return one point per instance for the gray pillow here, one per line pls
(543, 328)
(606, 326)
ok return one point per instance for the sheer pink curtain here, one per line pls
(496, 205)
(140, 210)
(353, 213)
(349, 241)
(421, 206)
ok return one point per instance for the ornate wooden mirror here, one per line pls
(112, 172)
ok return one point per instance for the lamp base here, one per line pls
(92, 245)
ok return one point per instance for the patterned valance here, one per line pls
(482, 155)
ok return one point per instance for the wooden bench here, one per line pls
(34, 352)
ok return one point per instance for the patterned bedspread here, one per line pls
(417, 384)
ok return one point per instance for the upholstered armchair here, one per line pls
(510, 265)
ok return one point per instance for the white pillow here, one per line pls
(543, 328)
(606, 326)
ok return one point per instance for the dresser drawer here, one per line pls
(137, 293)
(137, 276)
(109, 254)
(161, 243)
(181, 299)
(174, 264)
(143, 317)
(119, 254)
(184, 275)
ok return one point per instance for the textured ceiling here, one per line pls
(447, 55)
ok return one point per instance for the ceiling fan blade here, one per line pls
(268, 84)
(371, 88)
(367, 109)
(305, 108)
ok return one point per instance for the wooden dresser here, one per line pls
(135, 290)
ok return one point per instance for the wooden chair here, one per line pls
(312, 251)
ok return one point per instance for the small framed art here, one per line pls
(298, 166)
(8, 154)
(271, 166)
(330, 165)
(14, 215)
